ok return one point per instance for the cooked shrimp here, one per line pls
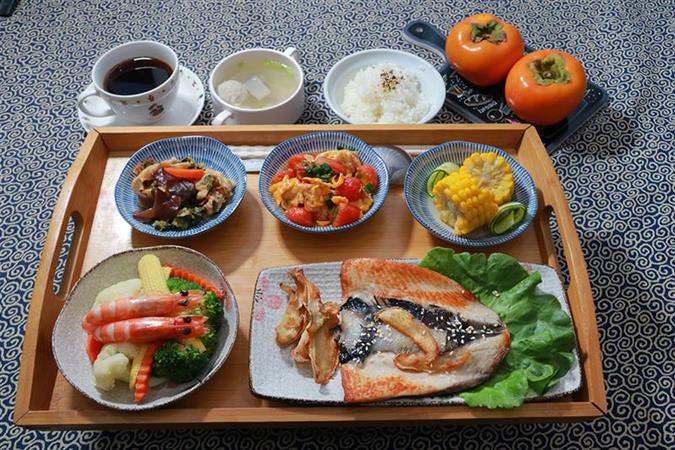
(133, 307)
(149, 329)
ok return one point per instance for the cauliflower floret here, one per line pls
(127, 288)
(107, 370)
(114, 363)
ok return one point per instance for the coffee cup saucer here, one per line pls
(185, 110)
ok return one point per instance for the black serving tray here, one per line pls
(487, 105)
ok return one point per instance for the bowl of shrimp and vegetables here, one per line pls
(146, 327)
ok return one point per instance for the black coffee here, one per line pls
(136, 75)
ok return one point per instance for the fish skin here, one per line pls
(391, 279)
(377, 377)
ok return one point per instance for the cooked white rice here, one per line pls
(384, 93)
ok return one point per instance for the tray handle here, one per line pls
(67, 279)
(579, 292)
(426, 35)
(77, 200)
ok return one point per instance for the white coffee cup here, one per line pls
(288, 111)
(144, 108)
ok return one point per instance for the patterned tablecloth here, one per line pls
(618, 173)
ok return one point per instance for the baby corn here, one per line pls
(462, 204)
(152, 276)
(491, 172)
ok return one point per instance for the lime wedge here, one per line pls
(508, 216)
(438, 174)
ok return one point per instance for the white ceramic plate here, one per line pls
(275, 375)
(185, 110)
(68, 339)
(431, 82)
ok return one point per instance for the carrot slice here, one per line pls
(187, 174)
(197, 279)
(93, 348)
(143, 378)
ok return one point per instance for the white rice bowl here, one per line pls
(372, 97)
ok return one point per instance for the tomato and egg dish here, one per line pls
(332, 188)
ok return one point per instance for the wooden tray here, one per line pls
(251, 240)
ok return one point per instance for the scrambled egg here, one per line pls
(315, 194)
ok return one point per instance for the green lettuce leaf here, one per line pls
(542, 339)
(505, 389)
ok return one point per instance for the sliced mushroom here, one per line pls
(293, 323)
(404, 322)
(417, 362)
(146, 174)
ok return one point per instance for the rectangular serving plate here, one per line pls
(274, 375)
(252, 240)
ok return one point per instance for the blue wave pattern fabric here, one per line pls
(422, 208)
(617, 173)
(203, 150)
(314, 143)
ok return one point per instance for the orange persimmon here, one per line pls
(545, 86)
(483, 48)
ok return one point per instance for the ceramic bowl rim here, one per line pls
(332, 74)
(530, 187)
(143, 407)
(214, 92)
(210, 222)
(382, 172)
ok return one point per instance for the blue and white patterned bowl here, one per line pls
(214, 154)
(316, 143)
(422, 206)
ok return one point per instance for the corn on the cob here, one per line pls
(152, 277)
(462, 204)
(491, 172)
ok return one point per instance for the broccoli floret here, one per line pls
(178, 363)
(161, 225)
(179, 284)
(210, 341)
(210, 307)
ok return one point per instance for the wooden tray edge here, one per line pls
(579, 292)
(25, 416)
(534, 412)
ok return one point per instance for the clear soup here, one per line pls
(279, 82)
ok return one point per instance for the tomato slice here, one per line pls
(368, 176)
(300, 215)
(336, 166)
(297, 164)
(351, 188)
(347, 213)
(280, 176)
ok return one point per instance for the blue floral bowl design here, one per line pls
(315, 143)
(422, 206)
(212, 153)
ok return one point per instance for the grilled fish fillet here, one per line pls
(457, 320)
